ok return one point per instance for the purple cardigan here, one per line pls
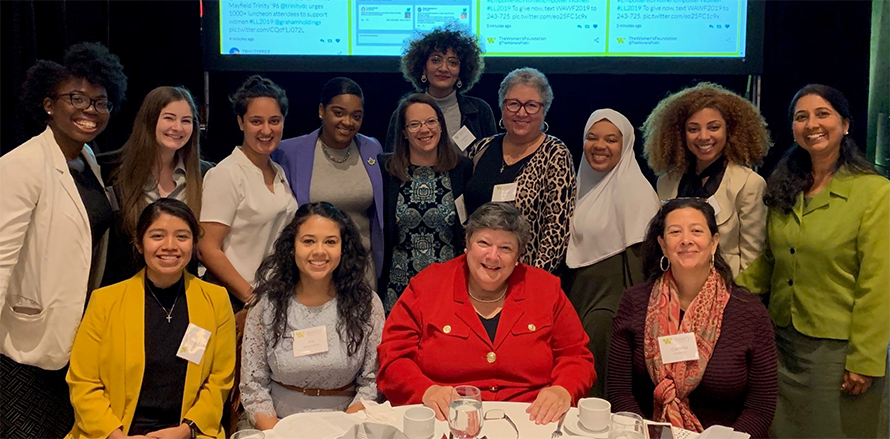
(297, 155)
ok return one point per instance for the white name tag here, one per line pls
(310, 341)
(713, 202)
(461, 209)
(463, 138)
(193, 343)
(679, 347)
(504, 192)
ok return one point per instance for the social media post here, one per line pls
(390, 17)
(691, 27)
(550, 27)
(376, 43)
(431, 16)
(288, 27)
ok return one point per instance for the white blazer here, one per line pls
(45, 253)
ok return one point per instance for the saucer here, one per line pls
(573, 425)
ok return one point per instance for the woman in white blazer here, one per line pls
(54, 217)
(702, 141)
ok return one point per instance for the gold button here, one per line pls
(531, 327)
(491, 357)
(446, 329)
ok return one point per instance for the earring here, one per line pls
(712, 261)
(501, 124)
(49, 112)
(423, 78)
(546, 127)
(846, 133)
(459, 83)
(661, 263)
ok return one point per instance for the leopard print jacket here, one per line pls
(546, 197)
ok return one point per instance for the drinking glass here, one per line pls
(465, 412)
(626, 425)
(248, 434)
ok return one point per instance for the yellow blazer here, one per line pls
(108, 359)
(741, 220)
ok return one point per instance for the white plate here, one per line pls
(574, 427)
(314, 425)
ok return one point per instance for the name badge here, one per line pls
(463, 138)
(310, 341)
(193, 343)
(461, 209)
(504, 192)
(713, 202)
(678, 347)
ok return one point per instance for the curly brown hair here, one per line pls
(452, 36)
(664, 131)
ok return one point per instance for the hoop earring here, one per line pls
(459, 83)
(661, 263)
(501, 124)
(546, 127)
(423, 78)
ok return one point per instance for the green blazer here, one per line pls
(826, 266)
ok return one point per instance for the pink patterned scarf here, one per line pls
(674, 382)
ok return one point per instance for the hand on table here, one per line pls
(355, 408)
(180, 432)
(855, 384)
(550, 404)
(438, 398)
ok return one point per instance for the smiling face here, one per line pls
(167, 248)
(422, 144)
(817, 126)
(687, 242)
(340, 120)
(706, 136)
(602, 149)
(317, 248)
(491, 257)
(175, 125)
(262, 125)
(442, 71)
(71, 124)
(520, 125)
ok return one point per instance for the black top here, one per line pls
(94, 200)
(491, 325)
(691, 183)
(475, 114)
(491, 170)
(160, 398)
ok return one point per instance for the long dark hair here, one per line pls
(172, 207)
(278, 275)
(652, 250)
(447, 154)
(794, 173)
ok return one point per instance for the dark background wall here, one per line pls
(159, 44)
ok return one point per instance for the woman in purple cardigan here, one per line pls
(337, 164)
(726, 375)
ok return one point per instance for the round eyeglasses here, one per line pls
(82, 102)
(531, 107)
(415, 125)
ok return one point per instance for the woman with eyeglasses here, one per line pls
(423, 177)
(527, 167)
(337, 164)
(446, 63)
(54, 215)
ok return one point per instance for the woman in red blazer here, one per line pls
(486, 320)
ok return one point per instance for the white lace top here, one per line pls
(263, 361)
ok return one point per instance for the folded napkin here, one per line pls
(381, 413)
(721, 432)
(367, 430)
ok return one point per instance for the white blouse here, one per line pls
(235, 194)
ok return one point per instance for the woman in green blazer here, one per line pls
(825, 267)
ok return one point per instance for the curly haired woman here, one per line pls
(446, 63)
(703, 141)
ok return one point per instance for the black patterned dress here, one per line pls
(425, 214)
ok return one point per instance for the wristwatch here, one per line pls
(192, 426)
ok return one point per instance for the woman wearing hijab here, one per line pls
(615, 203)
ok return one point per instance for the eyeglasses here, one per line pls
(451, 61)
(82, 102)
(414, 125)
(498, 414)
(531, 107)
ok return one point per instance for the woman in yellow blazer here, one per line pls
(703, 141)
(155, 354)
(826, 267)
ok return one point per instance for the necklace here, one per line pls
(324, 149)
(497, 299)
(169, 313)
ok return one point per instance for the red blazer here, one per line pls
(434, 336)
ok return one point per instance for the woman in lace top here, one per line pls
(310, 343)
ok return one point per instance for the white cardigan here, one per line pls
(45, 253)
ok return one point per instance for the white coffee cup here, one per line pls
(419, 423)
(594, 414)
